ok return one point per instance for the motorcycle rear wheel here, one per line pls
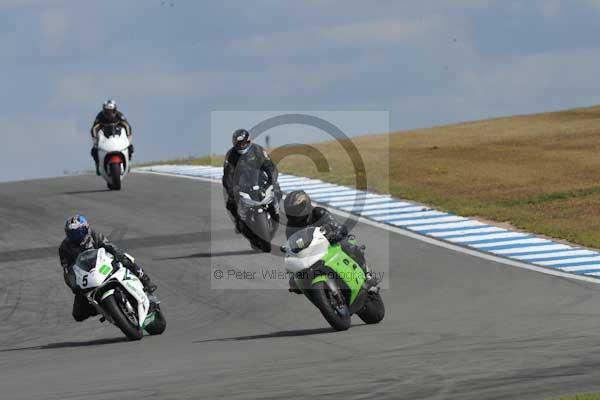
(373, 311)
(159, 324)
(114, 171)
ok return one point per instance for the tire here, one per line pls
(261, 232)
(264, 246)
(121, 321)
(320, 298)
(373, 311)
(114, 171)
(159, 324)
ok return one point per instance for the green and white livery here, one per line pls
(331, 279)
(117, 294)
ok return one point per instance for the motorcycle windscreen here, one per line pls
(248, 179)
(301, 240)
(87, 260)
(111, 130)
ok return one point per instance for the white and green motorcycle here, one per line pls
(331, 279)
(117, 294)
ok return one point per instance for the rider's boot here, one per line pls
(127, 262)
(293, 287)
(370, 279)
(96, 159)
(238, 226)
(149, 287)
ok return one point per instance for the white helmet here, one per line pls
(110, 105)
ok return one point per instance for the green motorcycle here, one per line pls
(331, 279)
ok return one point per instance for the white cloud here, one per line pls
(19, 3)
(593, 3)
(554, 79)
(551, 9)
(7, 4)
(134, 83)
(384, 32)
(54, 25)
(41, 146)
(377, 32)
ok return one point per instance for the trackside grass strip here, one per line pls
(581, 397)
(540, 173)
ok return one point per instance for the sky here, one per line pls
(171, 64)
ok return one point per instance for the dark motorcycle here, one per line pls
(256, 199)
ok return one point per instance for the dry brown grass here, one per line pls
(590, 396)
(539, 172)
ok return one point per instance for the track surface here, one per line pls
(457, 327)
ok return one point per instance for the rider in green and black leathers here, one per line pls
(300, 214)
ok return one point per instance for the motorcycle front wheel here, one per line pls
(112, 307)
(261, 231)
(336, 314)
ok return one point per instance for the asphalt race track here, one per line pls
(457, 327)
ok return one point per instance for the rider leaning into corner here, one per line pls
(245, 154)
(81, 237)
(108, 115)
(301, 213)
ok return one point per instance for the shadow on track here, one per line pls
(209, 255)
(62, 345)
(278, 334)
(86, 191)
(129, 244)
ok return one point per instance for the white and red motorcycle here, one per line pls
(113, 154)
(117, 294)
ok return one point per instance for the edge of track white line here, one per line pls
(420, 237)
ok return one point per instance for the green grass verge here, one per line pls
(540, 173)
(590, 396)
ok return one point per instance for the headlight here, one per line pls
(247, 202)
(268, 198)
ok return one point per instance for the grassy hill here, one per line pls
(540, 172)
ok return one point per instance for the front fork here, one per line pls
(119, 296)
(105, 316)
(340, 307)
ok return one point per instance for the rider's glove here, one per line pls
(336, 234)
(70, 280)
(120, 258)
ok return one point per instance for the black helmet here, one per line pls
(297, 206)
(110, 108)
(241, 141)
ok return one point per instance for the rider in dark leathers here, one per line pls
(81, 237)
(245, 155)
(108, 115)
(300, 214)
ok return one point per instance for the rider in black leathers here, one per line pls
(247, 155)
(81, 237)
(300, 214)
